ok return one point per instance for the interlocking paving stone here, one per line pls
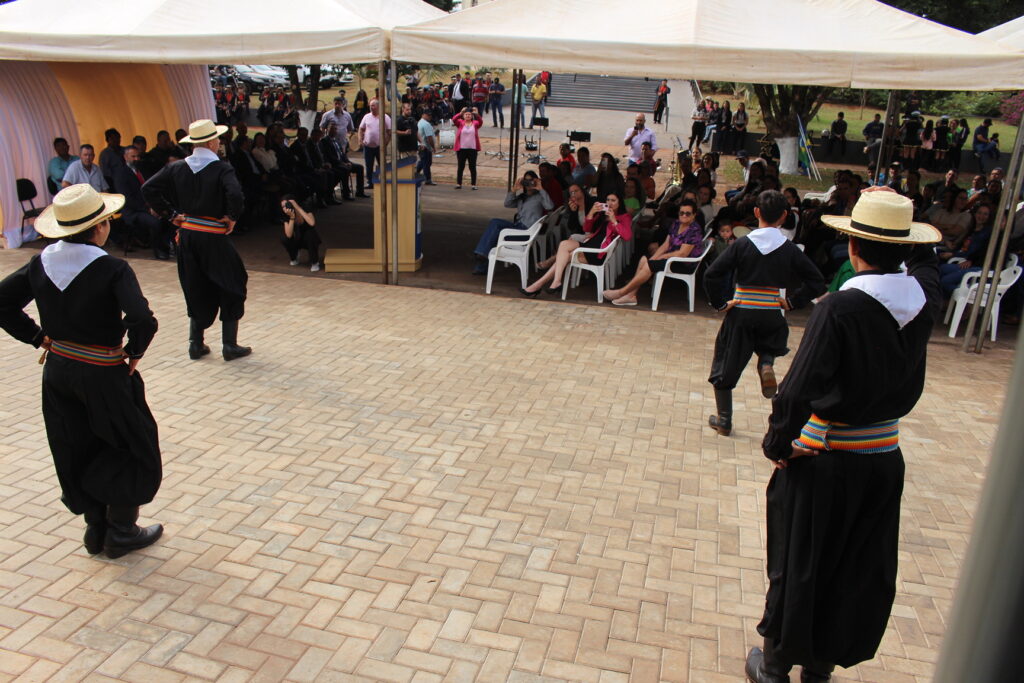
(416, 485)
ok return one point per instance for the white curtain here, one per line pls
(34, 112)
(190, 87)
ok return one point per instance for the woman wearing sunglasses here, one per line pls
(685, 239)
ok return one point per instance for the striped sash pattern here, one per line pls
(819, 434)
(757, 298)
(86, 353)
(205, 224)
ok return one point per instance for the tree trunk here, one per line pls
(789, 158)
(314, 84)
(293, 75)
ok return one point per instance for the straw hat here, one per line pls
(884, 217)
(203, 130)
(75, 209)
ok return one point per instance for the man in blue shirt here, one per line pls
(494, 99)
(58, 165)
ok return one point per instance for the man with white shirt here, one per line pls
(745, 283)
(85, 171)
(458, 93)
(636, 137)
(426, 138)
(202, 196)
(342, 118)
(372, 138)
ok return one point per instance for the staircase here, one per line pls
(618, 93)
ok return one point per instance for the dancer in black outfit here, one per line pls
(834, 498)
(760, 264)
(101, 432)
(205, 198)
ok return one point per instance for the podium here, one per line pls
(410, 227)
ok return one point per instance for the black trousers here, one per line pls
(155, 230)
(103, 437)
(745, 332)
(304, 237)
(833, 535)
(212, 277)
(466, 156)
(697, 133)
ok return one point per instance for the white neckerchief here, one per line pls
(63, 261)
(767, 240)
(200, 158)
(901, 294)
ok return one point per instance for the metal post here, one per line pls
(1004, 227)
(382, 98)
(889, 133)
(515, 147)
(394, 173)
(513, 126)
(983, 639)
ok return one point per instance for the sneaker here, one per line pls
(458, 187)
(474, 187)
(314, 268)
(293, 263)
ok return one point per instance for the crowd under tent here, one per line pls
(76, 69)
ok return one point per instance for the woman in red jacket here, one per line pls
(467, 144)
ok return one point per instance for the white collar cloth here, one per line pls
(901, 294)
(63, 261)
(767, 240)
(200, 158)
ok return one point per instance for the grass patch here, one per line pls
(731, 174)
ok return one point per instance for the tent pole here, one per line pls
(382, 192)
(511, 131)
(394, 172)
(515, 147)
(1004, 227)
(889, 132)
(983, 641)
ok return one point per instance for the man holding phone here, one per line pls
(636, 137)
(531, 203)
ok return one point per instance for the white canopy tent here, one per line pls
(842, 43)
(1011, 33)
(202, 32)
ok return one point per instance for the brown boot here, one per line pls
(768, 383)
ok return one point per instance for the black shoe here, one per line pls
(532, 295)
(229, 338)
(754, 669)
(160, 255)
(555, 291)
(768, 383)
(722, 421)
(196, 348)
(95, 531)
(124, 535)
(362, 195)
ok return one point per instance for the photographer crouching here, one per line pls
(531, 203)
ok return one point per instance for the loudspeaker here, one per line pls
(541, 121)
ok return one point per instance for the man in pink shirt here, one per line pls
(371, 139)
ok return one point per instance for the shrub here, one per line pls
(1012, 108)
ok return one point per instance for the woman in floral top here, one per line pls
(685, 239)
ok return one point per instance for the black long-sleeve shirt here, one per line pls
(102, 303)
(213, 192)
(754, 269)
(855, 364)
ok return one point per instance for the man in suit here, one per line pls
(137, 215)
(253, 178)
(323, 179)
(339, 161)
(458, 94)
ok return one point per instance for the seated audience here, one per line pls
(584, 174)
(972, 250)
(685, 239)
(58, 165)
(531, 203)
(604, 223)
(951, 218)
(609, 179)
(634, 197)
(85, 171)
(334, 154)
(142, 222)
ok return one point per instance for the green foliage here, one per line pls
(968, 103)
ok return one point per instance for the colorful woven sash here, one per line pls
(86, 353)
(818, 435)
(205, 224)
(757, 298)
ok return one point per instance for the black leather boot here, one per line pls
(229, 337)
(196, 348)
(722, 422)
(763, 667)
(766, 372)
(124, 535)
(816, 673)
(95, 530)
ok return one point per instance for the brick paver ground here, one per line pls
(405, 484)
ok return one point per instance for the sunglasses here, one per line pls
(686, 213)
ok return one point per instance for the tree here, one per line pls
(781, 105)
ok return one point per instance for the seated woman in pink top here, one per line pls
(467, 144)
(604, 223)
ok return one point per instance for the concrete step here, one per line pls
(587, 91)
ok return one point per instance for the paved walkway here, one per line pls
(415, 485)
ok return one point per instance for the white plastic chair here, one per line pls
(967, 293)
(516, 252)
(548, 240)
(690, 279)
(602, 272)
